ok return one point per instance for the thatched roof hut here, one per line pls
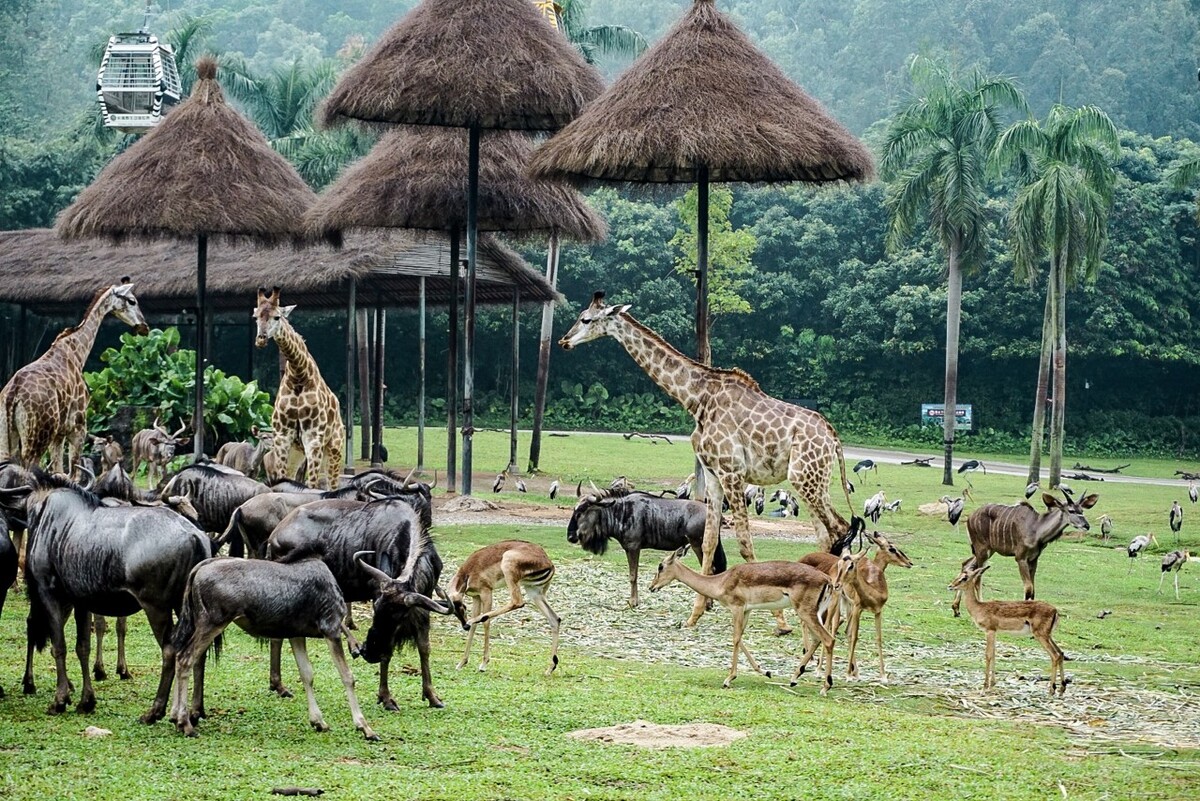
(464, 63)
(417, 178)
(203, 170)
(51, 275)
(703, 95)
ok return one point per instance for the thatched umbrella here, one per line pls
(474, 64)
(203, 171)
(417, 178)
(703, 104)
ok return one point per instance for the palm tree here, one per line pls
(1184, 175)
(1060, 211)
(570, 17)
(934, 160)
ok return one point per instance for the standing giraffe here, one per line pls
(307, 414)
(44, 405)
(742, 435)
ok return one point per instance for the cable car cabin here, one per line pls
(137, 83)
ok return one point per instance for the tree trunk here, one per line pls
(953, 319)
(1059, 415)
(543, 369)
(1043, 384)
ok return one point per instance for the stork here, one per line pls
(970, 466)
(1137, 545)
(873, 508)
(554, 489)
(1176, 519)
(954, 509)
(1174, 561)
(1193, 493)
(865, 464)
(894, 506)
(1106, 526)
(1031, 489)
(498, 484)
(521, 486)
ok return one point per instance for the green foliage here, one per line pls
(152, 371)
(730, 251)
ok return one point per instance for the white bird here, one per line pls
(554, 489)
(1193, 493)
(894, 506)
(1176, 519)
(1175, 561)
(873, 508)
(1137, 545)
(521, 486)
(865, 464)
(954, 509)
(1031, 488)
(1106, 527)
(498, 484)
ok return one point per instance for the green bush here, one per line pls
(152, 371)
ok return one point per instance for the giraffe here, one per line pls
(44, 405)
(307, 414)
(742, 435)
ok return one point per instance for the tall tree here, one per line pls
(1061, 211)
(934, 160)
(730, 251)
(570, 17)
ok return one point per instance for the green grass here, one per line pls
(502, 734)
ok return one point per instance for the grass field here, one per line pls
(1127, 728)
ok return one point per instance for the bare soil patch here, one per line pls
(654, 735)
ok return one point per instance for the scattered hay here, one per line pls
(654, 735)
(469, 503)
(935, 509)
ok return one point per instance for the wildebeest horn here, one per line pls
(404, 483)
(371, 569)
(434, 484)
(592, 484)
(424, 601)
(15, 493)
(92, 476)
(579, 489)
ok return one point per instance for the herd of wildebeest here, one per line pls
(299, 553)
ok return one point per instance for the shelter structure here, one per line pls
(204, 171)
(417, 178)
(473, 64)
(703, 104)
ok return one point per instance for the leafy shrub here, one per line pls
(152, 371)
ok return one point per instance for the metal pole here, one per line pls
(703, 351)
(468, 429)
(201, 354)
(514, 389)
(377, 439)
(362, 333)
(452, 370)
(351, 346)
(421, 378)
(543, 369)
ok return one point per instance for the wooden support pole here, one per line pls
(543, 369)
(514, 399)
(452, 369)
(351, 347)
(468, 429)
(421, 377)
(201, 350)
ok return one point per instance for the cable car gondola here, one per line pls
(138, 81)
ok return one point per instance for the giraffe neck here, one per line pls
(75, 344)
(299, 369)
(682, 378)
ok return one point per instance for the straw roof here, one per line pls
(461, 63)
(417, 178)
(703, 95)
(204, 169)
(40, 270)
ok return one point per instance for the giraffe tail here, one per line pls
(842, 469)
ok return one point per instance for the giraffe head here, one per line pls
(120, 303)
(593, 323)
(269, 315)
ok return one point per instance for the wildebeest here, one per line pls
(290, 601)
(638, 520)
(156, 447)
(244, 457)
(1020, 531)
(336, 530)
(254, 520)
(104, 560)
(215, 494)
(8, 570)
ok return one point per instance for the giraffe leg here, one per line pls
(809, 471)
(712, 535)
(281, 451)
(315, 455)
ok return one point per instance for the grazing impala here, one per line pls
(527, 571)
(866, 588)
(1018, 617)
(1022, 532)
(763, 585)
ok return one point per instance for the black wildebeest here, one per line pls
(1020, 531)
(638, 520)
(338, 529)
(8, 568)
(107, 561)
(266, 599)
(215, 494)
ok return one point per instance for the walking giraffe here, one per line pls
(307, 414)
(742, 435)
(44, 405)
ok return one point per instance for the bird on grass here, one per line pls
(1106, 527)
(1193, 492)
(1139, 543)
(521, 486)
(954, 509)
(498, 484)
(1031, 489)
(894, 506)
(873, 508)
(970, 466)
(865, 464)
(1174, 561)
(554, 489)
(1176, 519)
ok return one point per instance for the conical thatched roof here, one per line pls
(204, 169)
(417, 178)
(703, 95)
(458, 63)
(54, 275)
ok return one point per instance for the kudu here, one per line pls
(1021, 532)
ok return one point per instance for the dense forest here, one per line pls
(817, 308)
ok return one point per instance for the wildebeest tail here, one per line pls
(719, 562)
(234, 534)
(37, 624)
(185, 629)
